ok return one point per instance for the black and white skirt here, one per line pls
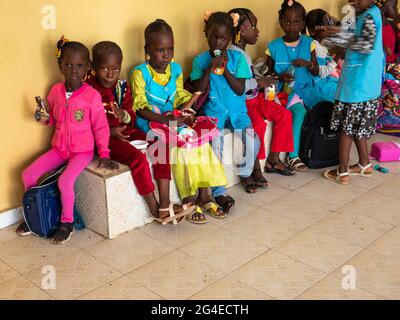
(356, 119)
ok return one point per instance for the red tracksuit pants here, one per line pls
(260, 109)
(125, 153)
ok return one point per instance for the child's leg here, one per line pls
(362, 148)
(255, 112)
(298, 113)
(220, 192)
(218, 147)
(45, 163)
(251, 146)
(345, 142)
(127, 154)
(76, 164)
(282, 136)
(162, 173)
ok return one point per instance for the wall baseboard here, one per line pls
(10, 217)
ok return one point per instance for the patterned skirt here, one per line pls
(356, 119)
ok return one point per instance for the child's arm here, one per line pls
(242, 72)
(101, 130)
(283, 77)
(200, 77)
(363, 43)
(312, 65)
(141, 105)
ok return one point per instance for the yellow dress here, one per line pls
(192, 168)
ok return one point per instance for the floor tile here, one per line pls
(332, 192)
(302, 209)
(292, 182)
(129, 251)
(224, 250)
(8, 233)
(352, 227)
(388, 245)
(277, 275)
(319, 249)
(265, 227)
(176, 276)
(390, 188)
(261, 197)
(180, 235)
(7, 273)
(21, 289)
(75, 275)
(85, 238)
(24, 254)
(121, 289)
(332, 288)
(230, 289)
(377, 274)
(376, 206)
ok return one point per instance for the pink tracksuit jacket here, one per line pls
(79, 122)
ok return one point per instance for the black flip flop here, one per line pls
(285, 172)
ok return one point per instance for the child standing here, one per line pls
(259, 108)
(294, 59)
(117, 101)
(317, 21)
(78, 116)
(225, 71)
(355, 110)
(158, 90)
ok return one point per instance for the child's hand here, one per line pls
(266, 82)
(116, 132)
(301, 63)
(118, 112)
(171, 118)
(107, 164)
(286, 78)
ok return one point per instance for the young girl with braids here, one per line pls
(77, 113)
(117, 101)
(158, 90)
(225, 71)
(296, 51)
(259, 108)
(357, 98)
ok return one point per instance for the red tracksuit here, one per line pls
(260, 109)
(125, 153)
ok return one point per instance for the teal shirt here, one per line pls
(223, 103)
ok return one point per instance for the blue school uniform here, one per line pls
(304, 87)
(325, 87)
(361, 78)
(223, 103)
(158, 96)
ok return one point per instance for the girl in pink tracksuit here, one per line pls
(77, 113)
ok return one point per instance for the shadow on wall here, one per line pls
(134, 36)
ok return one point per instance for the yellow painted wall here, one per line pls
(28, 65)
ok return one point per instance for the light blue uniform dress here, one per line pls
(361, 77)
(229, 108)
(311, 90)
(158, 96)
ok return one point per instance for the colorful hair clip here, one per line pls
(207, 14)
(290, 3)
(235, 17)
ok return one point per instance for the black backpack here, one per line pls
(319, 146)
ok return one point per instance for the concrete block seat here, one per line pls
(110, 204)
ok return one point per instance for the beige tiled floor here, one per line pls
(296, 240)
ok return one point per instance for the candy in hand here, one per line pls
(41, 112)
